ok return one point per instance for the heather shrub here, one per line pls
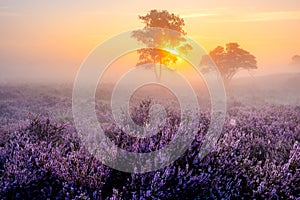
(256, 157)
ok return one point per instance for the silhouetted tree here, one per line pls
(229, 60)
(296, 60)
(163, 46)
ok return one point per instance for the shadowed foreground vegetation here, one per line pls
(257, 156)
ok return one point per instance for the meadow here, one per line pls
(256, 157)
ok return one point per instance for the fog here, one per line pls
(20, 71)
(267, 84)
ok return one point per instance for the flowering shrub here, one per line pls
(257, 157)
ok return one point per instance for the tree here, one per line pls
(296, 60)
(163, 47)
(229, 60)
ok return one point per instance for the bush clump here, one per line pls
(257, 157)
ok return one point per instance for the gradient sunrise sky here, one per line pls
(54, 37)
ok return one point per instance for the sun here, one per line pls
(174, 52)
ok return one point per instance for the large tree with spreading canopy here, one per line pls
(163, 47)
(229, 60)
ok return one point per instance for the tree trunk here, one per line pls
(155, 70)
(160, 71)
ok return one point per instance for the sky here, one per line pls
(42, 39)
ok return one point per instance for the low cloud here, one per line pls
(4, 12)
(9, 14)
(227, 15)
(196, 15)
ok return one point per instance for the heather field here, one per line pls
(256, 157)
(150, 100)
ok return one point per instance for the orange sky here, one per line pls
(57, 36)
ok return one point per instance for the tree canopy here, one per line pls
(230, 60)
(296, 60)
(163, 46)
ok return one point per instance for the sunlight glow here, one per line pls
(174, 52)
